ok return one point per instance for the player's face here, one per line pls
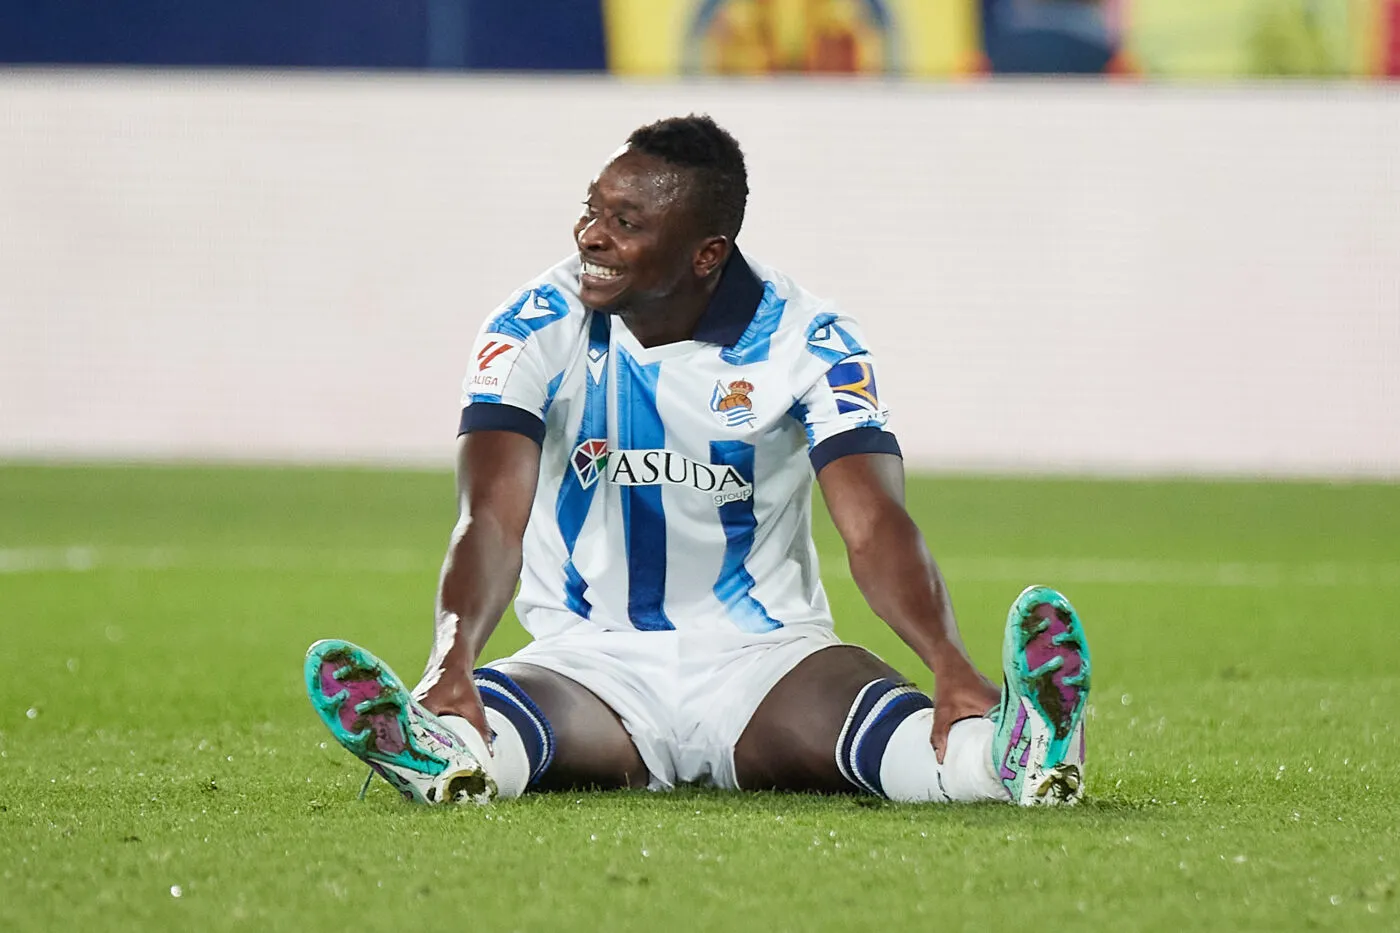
(635, 234)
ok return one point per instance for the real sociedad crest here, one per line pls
(732, 405)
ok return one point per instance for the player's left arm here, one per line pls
(895, 572)
(858, 464)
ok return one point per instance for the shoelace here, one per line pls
(365, 788)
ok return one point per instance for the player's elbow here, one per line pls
(882, 531)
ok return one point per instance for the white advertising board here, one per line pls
(1060, 277)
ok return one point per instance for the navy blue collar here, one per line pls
(733, 304)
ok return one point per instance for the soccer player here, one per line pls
(640, 428)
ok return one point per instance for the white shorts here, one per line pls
(685, 697)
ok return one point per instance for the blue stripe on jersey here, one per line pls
(829, 342)
(735, 585)
(643, 515)
(754, 345)
(574, 499)
(552, 390)
(799, 411)
(537, 308)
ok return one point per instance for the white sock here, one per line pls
(910, 772)
(508, 766)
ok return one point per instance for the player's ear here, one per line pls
(710, 256)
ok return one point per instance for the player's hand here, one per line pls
(456, 695)
(961, 692)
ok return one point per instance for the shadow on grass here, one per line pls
(797, 807)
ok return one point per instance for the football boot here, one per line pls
(370, 712)
(1038, 750)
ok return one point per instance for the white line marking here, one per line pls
(83, 558)
(1053, 571)
(1136, 572)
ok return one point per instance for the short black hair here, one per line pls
(715, 161)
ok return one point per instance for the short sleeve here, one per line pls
(509, 382)
(841, 410)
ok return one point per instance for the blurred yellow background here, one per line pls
(1170, 38)
(663, 37)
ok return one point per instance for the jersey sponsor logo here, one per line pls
(853, 385)
(494, 358)
(732, 405)
(589, 460)
(592, 461)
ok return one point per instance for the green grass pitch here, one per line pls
(160, 767)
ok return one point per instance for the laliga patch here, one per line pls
(853, 385)
(492, 359)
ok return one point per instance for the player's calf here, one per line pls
(886, 748)
(522, 745)
(1030, 750)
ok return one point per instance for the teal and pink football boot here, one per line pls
(371, 713)
(1039, 746)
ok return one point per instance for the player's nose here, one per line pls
(590, 235)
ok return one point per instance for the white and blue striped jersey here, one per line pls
(675, 482)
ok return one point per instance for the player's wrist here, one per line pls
(949, 662)
(460, 641)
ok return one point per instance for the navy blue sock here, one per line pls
(500, 693)
(878, 710)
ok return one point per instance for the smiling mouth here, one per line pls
(595, 271)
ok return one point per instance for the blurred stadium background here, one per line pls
(1140, 245)
(281, 249)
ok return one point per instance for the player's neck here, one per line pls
(668, 320)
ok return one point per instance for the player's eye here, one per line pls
(626, 224)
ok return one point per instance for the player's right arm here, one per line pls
(505, 398)
(496, 476)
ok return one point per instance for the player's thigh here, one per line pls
(591, 746)
(790, 742)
